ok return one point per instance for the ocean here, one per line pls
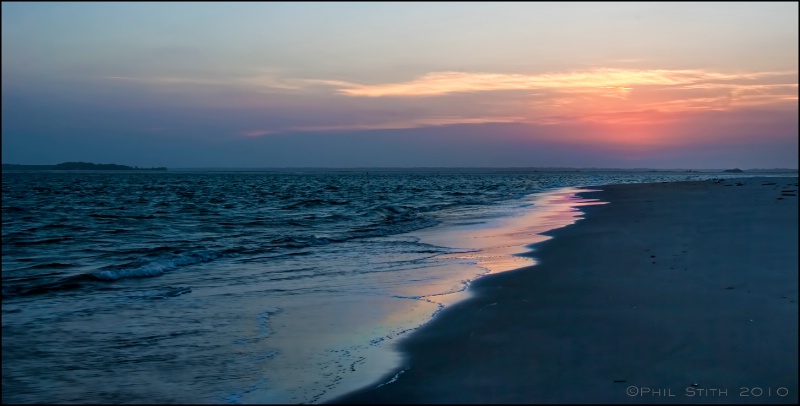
(252, 286)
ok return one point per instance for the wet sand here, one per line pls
(672, 293)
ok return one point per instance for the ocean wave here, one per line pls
(397, 221)
(303, 204)
(301, 241)
(37, 242)
(15, 209)
(52, 265)
(69, 283)
(172, 292)
(55, 226)
(390, 210)
(394, 225)
(104, 216)
(138, 269)
(155, 267)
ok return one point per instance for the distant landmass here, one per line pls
(116, 167)
(79, 166)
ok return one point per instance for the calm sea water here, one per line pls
(244, 287)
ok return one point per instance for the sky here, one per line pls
(456, 84)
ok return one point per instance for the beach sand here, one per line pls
(672, 293)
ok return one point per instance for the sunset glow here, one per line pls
(600, 95)
(651, 85)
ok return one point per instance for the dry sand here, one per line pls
(673, 293)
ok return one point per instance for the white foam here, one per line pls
(155, 268)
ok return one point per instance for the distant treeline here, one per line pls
(80, 166)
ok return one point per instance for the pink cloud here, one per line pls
(257, 133)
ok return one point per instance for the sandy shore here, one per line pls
(672, 293)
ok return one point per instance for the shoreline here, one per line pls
(490, 243)
(679, 291)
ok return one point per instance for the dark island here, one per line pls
(79, 166)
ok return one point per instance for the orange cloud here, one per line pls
(597, 95)
(602, 96)
(441, 83)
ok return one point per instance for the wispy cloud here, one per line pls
(591, 95)
(440, 83)
(257, 133)
(612, 81)
(167, 80)
(389, 125)
(257, 82)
